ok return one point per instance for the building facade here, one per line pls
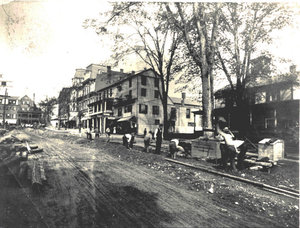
(131, 103)
(28, 113)
(273, 109)
(11, 106)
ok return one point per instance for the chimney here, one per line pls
(133, 72)
(122, 70)
(182, 98)
(108, 70)
(293, 69)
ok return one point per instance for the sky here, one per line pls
(42, 43)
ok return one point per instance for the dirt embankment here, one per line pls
(92, 184)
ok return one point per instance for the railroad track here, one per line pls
(281, 191)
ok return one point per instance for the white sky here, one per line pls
(46, 42)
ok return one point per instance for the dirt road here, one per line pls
(105, 185)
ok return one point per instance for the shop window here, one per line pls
(144, 80)
(143, 109)
(188, 113)
(156, 82)
(155, 110)
(156, 122)
(156, 94)
(144, 92)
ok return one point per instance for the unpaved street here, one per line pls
(105, 185)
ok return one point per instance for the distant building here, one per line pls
(11, 109)
(28, 113)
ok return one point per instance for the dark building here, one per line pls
(273, 109)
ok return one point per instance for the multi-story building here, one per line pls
(273, 108)
(85, 91)
(63, 107)
(184, 115)
(73, 107)
(28, 113)
(131, 102)
(11, 107)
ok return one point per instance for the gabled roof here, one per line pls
(177, 100)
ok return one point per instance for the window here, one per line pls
(119, 111)
(285, 94)
(110, 92)
(143, 109)
(191, 124)
(144, 80)
(143, 92)
(128, 108)
(130, 94)
(119, 88)
(260, 97)
(156, 94)
(156, 82)
(269, 123)
(155, 110)
(156, 122)
(188, 113)
(130, 82)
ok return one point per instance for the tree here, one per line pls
(246, 26)
(47, 107)
(199, 24)
(141, 29)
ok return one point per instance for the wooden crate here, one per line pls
(202, 148)
(274, 151)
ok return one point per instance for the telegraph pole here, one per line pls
(4, 84)
(4, 107)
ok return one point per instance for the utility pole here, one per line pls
(4, 107)
(4, 84)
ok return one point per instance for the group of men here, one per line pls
(157, 135)
(230, 148)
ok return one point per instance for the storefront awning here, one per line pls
(126, 118)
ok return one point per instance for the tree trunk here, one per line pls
(165, 121)
(207, 105)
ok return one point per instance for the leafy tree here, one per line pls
(47, 107)
(245, 27)
(198, 23)
(141, 29)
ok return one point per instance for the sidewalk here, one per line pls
(292, 155)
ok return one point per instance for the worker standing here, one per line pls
(158, 137)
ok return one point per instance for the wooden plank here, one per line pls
(36, 175)
(266, 164)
